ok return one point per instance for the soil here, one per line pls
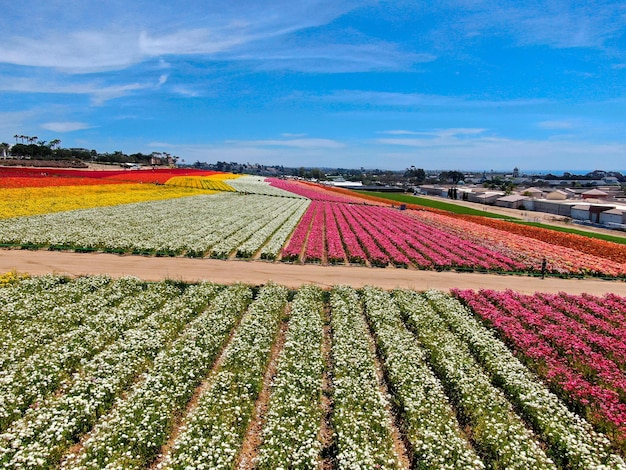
(290, 275)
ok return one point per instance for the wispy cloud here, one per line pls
(398, 99)
(557, 24)
(98, 92)
(67, 126)
(294, 143)
(85, 42)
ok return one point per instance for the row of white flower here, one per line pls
(132, 434)
(191, 225)
(292, 425)
(497, 431)
(42, 435)
(215, 429)
(35, 311)
(249, 238)
(271, 237)
(257, 185)
(360, 419)
(573, 442)
(430, 424)
(31, 379)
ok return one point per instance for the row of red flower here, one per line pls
(562, 350)
(16, 177)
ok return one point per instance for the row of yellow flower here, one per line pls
(212, 182)
(11, 277)
(17, 202)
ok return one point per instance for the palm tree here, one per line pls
(54, 143)
(16, 137)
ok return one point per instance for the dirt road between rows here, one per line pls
(290, 275)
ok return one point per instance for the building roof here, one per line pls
(513, 198)
(615, 211)
(581, 207)
(595, 192)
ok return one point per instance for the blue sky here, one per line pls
(468, 85)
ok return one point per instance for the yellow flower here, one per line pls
(17, 202)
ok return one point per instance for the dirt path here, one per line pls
(290, 275)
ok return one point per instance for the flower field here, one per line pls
(217, 225)
(121, 373)
(337, 232)
(223, 215)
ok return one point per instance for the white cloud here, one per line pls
(67, 126)
(116, 35)
(99, 92)
(558, 24)
(295, 143)
(396, 99)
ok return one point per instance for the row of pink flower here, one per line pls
(555, 354)
(383, 235)
(315, 241)
(298, 238)
(611, 307)
(345, 233)
(582, 347)
(313, 192)
(336, 252)
(375, 254)
(443, 248)
(528, 251)
(591, 323)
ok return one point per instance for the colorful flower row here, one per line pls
(428, 384)
(149, 409)
(215, 429)
(499, 433)
(20, 202)
(530, 252)
(382, 235)
(591, 246)
(572, 440)
(314, 250)
(314, 192)
(13, 177)
(200, 182)
(290, 434)
(558, 363)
